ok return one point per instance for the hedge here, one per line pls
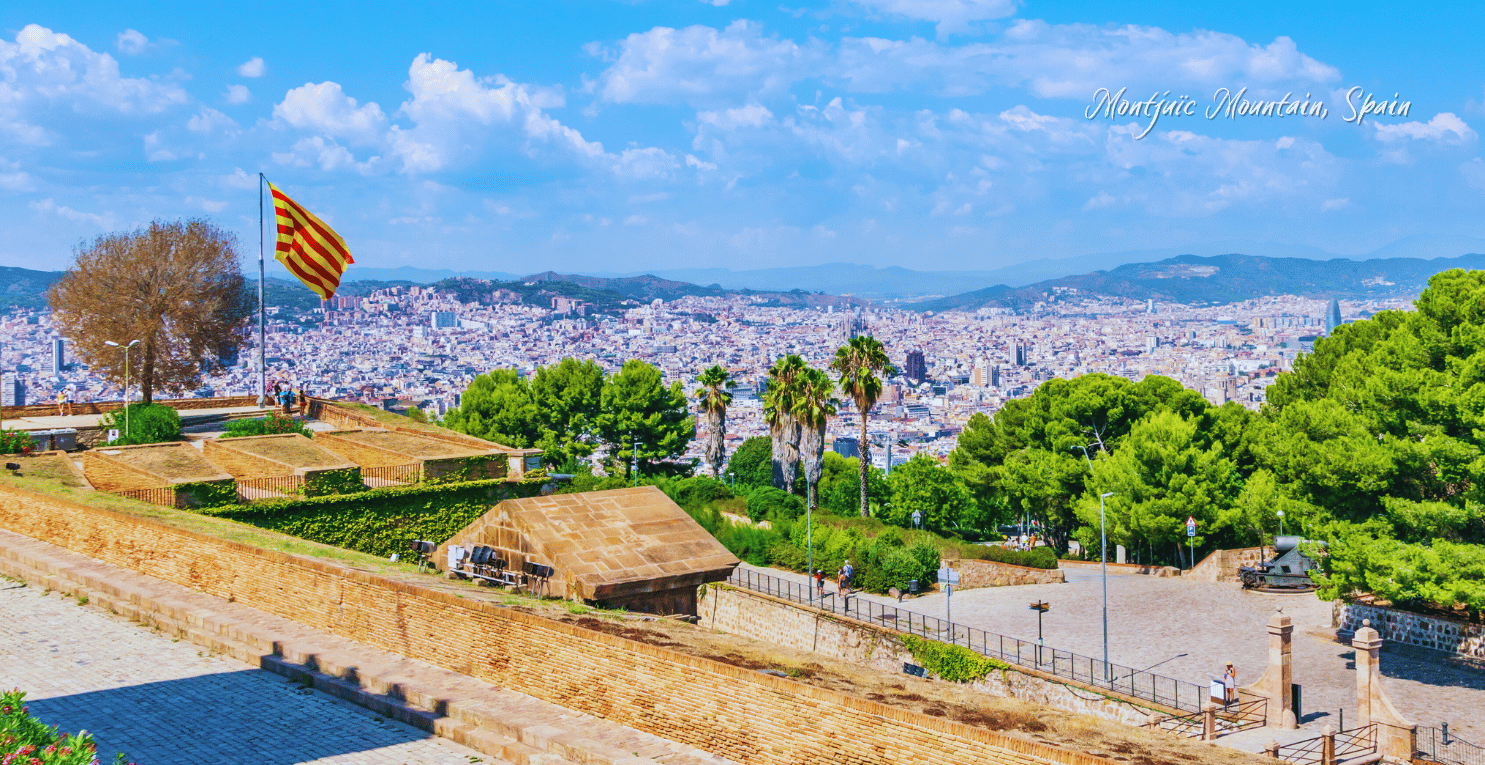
(954, 663)
(1036, 557)
(381, 521)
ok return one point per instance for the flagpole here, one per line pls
(262, 312)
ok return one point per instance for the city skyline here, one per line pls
(623, 138)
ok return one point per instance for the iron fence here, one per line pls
(1435, 745)
(272, 487)
(159, 496)
(1310, 751)
(1169, 692)
(1357, 742)
(391, 475)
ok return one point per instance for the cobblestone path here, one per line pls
(167, 702)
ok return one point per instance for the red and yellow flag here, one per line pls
(307, 247)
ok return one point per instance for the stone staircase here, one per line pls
(501, 723)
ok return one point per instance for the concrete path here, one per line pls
(1191, 629)
(53, 422)
(164, 701)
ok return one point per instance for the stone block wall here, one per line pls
(989, 573)
(1222, 565)
(729, 711)
(742, 612)
(1454, 637)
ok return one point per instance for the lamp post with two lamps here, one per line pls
(126, 348)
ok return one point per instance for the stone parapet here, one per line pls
(989, 573)
(1455, 637)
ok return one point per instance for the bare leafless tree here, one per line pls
(176, 287)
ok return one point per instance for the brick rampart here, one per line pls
(109, 475)
(989, 573)
(242, 465)
(1222, 565)
(362, 454)
(732, 712)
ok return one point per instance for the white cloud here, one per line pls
(1474, 173)
(253, 67)
(750, 116)
(326, 109)
(210, 120)
(1074, 60)
(1101, 199)
(1339, 203)
(950, 15)
(692, 161)
(328, 156)
(1444, 128)
(43, 70)
(131, 42)
(700, 64)
(717, 3)
(49, 206)
(238, 94)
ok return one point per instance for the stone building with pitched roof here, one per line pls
(631, 548)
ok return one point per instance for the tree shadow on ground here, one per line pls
(247, 716)
(1431, 667)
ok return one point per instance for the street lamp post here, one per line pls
(635, 453)
(1104, 545)
(126, 348)
(1281, 523)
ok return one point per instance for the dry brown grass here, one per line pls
(406, 444)
(51, 467)
(177, 461)
(297, 451)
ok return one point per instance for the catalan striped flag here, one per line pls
(307, 247)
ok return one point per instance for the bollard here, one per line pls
(1327, 746)
(1209, 722)
(1272, 749)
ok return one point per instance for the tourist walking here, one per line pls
(820, 583)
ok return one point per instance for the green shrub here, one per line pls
(954, 663)
(143, 424)
(381, 521)
(15, 442)
(273, 424)
(1036, 557)
(770, 504)
(325, 482)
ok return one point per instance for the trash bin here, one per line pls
(41, 440)
(64, 439)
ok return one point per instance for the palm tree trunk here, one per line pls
(789, 466)
(864, 464)
(776, 436)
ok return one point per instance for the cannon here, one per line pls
(1288, 571)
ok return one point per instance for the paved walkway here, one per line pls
(164, 701)
(53, 422)
(1191, 629)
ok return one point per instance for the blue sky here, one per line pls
(614, 137)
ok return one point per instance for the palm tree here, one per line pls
(814, 405)
(713, 396)
(778, 412)
(861, 362)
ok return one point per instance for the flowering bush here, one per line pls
(15, 442)
(24, 740)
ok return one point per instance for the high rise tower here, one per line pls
(1332, 316)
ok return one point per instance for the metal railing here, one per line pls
(272, 487)
(391, 475)
(1357, 742)
(1169, 692)
(1252, 713)
(1345, 745)
(159, 496)
(1310, 751)
(1435, 745)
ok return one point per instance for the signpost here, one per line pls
(948, 577)
(1191, 538)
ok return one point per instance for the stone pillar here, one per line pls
(1272, 749)
(1368, 673)
(1280, 675)
(1209, 722)
(1327, 746)
(1118, 553)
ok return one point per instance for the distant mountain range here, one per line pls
(1223, 279)
(1183, 279)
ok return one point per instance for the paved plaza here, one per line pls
(163, 701)
(1155, 620)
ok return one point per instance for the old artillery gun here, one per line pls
(1288, 571)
